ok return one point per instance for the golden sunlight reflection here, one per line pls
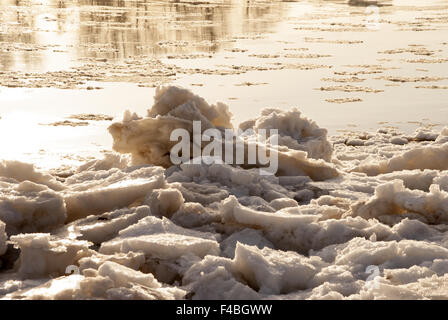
(58, 33)
(20, 131)
(30, 137)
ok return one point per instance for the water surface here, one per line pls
(248, 54)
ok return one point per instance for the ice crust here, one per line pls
(139, 227)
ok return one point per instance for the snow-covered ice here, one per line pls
(135, 226)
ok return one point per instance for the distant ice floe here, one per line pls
(134, 226)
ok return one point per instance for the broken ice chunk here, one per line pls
(30, 207)
(114, 190)
(42, 255)
(162, 239)
(104, 227)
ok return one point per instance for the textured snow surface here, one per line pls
(356, 216)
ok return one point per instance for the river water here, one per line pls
(348, 65)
